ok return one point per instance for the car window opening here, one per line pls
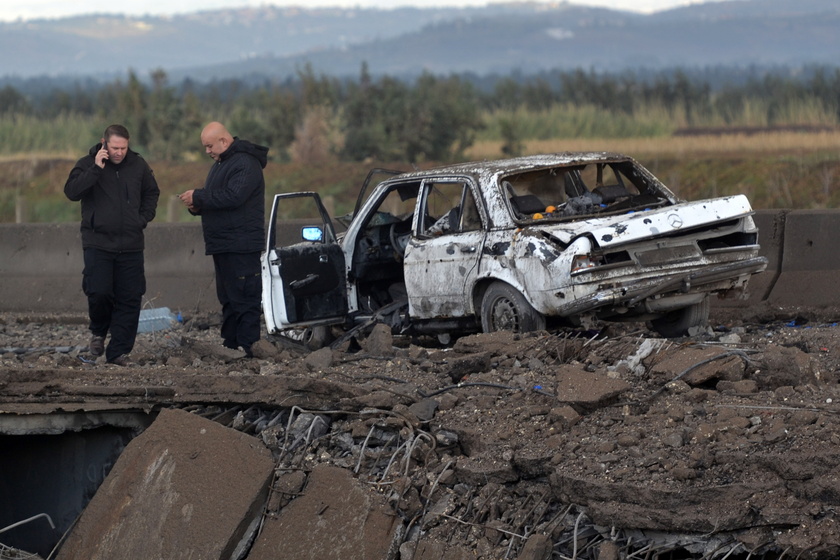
(580, 190)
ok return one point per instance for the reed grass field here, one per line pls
(690, 146)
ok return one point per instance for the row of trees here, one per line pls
(312, 117)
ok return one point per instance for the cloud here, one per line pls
(11, 10)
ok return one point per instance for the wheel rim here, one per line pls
(505, 315)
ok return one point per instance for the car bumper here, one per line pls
(631, 294)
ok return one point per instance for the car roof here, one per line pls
(517, 164)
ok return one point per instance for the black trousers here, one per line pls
(239, 287)
(114, 284)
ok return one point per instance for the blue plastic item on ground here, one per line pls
(158, 319)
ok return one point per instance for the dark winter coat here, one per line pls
(232, 202)
(117, 201)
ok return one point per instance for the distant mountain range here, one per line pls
(523, 37)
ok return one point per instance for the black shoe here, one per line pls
(97, 345)
(121, 361)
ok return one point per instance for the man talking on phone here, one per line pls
(119, 196)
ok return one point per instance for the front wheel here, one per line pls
(505, 309)
(677, 323)
(311, 338)
(315, 338)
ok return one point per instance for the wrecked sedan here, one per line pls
(521, 244)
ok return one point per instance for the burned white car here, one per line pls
(520, 244)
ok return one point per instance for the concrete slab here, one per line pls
(576, 386)
(185, 488)
(336, 518)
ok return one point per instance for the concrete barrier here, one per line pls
(41, 265)
(41, 268)
(810, 261)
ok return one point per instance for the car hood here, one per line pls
(645, 224)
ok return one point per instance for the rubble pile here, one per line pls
(574, 444)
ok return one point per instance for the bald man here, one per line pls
(232, 209)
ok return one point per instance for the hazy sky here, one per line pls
(29, 9)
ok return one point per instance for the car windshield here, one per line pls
(580, 190)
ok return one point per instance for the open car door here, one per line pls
(303, 272)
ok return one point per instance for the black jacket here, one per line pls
(232, 202)
(117, 201)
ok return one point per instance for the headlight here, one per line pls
(581, 262)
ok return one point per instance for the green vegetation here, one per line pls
(799, 174)
(431, 119)
(62, 134)
(325, 134)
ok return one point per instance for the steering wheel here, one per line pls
(399, 238)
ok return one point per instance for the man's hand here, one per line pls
(187, 199)
(101, 156)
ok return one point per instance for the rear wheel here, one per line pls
(505, 309)
(677, 323)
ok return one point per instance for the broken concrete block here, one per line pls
(781, 366)
(427, 549)
(463, 366)
(537, 547)
(336, 518)
(489, 467)
(564, 415)
(319, 360)
(702, 365)
(264, 350)
(187, 487)
(576, 386)
(380, 342)
(286, 489)
(424, 410)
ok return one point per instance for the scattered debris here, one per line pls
(555, 441)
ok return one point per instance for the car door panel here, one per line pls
(304, 281)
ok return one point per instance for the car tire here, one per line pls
(503, 308)
(676, 324)
(315, 338)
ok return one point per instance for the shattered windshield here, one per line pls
(580, 190)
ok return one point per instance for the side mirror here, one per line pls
(312, 233)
